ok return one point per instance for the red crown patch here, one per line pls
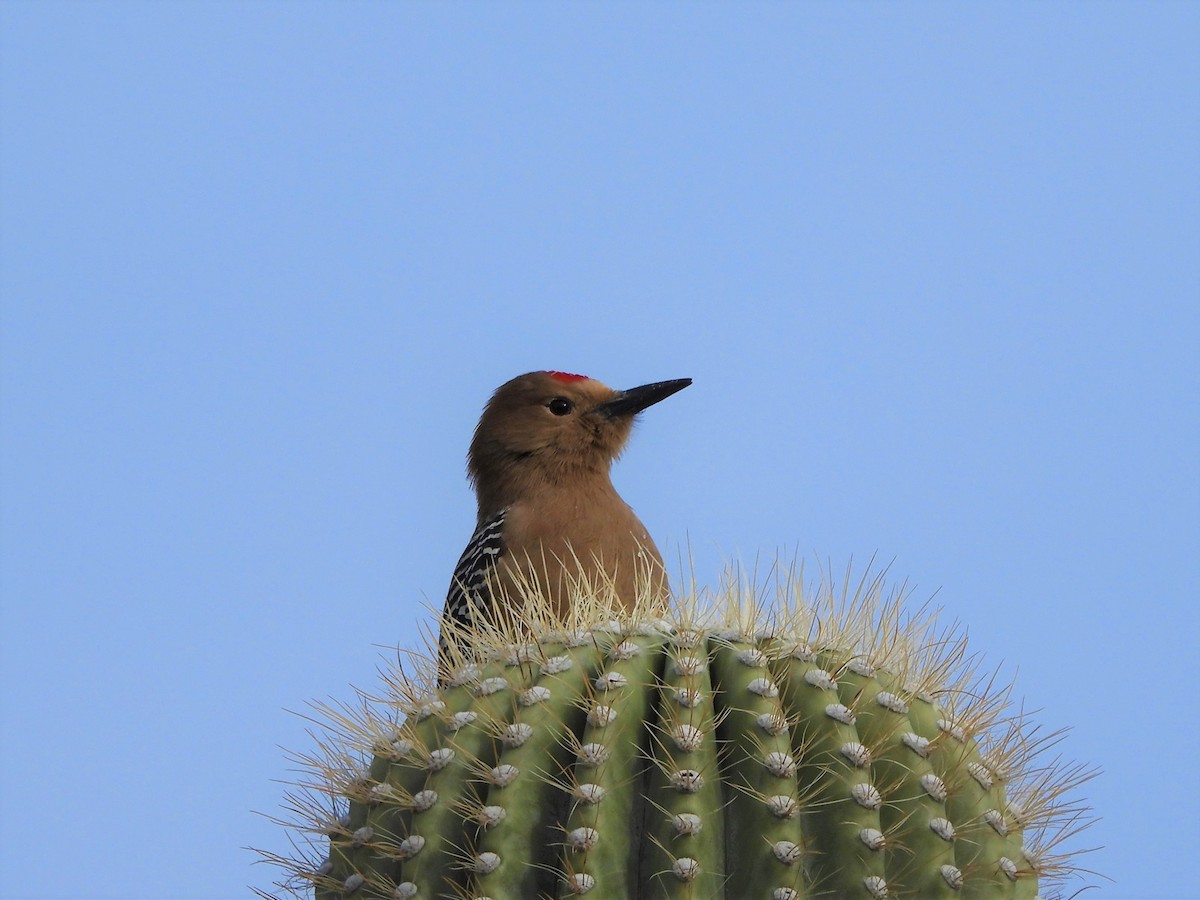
(566, 376)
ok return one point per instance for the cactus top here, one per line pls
(821, 748)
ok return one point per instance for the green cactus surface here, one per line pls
(722, 748)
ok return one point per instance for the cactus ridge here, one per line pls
(828, 747)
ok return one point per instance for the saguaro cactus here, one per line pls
(722, 748)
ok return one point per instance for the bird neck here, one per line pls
(538, 484)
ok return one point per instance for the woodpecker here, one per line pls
(547, 510)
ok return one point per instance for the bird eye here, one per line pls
(560, 406)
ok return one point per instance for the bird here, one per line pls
(548, 513)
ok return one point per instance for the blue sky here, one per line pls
(933, 268)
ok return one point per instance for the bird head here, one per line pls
(549, 424)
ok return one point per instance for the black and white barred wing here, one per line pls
(468, 600)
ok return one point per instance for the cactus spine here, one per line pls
(833, 748)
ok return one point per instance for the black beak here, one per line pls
(634, 400)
